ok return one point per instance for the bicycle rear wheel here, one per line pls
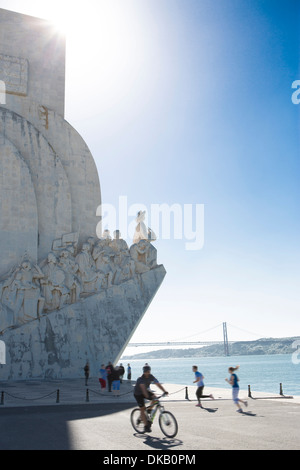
(136, 421)
(168, 424)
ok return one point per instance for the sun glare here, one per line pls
(107, 43)
(78, 19)
(64, 22)
(70, 18)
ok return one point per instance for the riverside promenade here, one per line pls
(67, 415)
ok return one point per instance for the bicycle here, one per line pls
(167, 421)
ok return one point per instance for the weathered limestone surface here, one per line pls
(65, 296)
(34, 61)
(72, 153)
(96, 329)
(63, 173)
(18, 208)
(48, 181)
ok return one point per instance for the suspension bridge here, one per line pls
(183, 342)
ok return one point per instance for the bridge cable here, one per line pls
(245, 331)
(196, 334)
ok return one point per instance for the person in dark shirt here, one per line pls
(110, 375)
(128, 372)
(141, 392)
(121, 372)
(86, 372)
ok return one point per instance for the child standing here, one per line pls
(234, 382)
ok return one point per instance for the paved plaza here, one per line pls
(84, 418)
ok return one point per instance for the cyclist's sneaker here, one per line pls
(148, 428)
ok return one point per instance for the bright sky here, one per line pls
(189, 102)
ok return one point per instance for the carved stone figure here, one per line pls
(30, 290)
(106, 235)
(144, 255)
(107, 271)
(102, 248)
(22, 294)
(68, 265)
(55, 291)
(125, 267)
(141, 231)
(89, 278)
(118, 244)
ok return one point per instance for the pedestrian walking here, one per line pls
(200, 386)
(103, 376)
(128, 372)
(234, 382)
(86, 372)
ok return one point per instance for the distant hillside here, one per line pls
(263, 346)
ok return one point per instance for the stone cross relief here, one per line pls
(70, 273)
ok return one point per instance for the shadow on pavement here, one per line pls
(210, 410)
(46, 427)
(157, 443)
(248, 413)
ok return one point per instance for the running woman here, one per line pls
(234, 382)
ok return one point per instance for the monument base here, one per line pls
(96, 329)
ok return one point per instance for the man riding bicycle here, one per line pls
(141, 391)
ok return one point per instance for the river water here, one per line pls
(262, 373)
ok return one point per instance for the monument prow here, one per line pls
(66, 296)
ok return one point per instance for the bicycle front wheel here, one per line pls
(136, 421)
(168, 424)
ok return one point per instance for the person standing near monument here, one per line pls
(128, 372)
(86, 372)
(116, 381)
(121, 372)
(110, 375)
(200, 386)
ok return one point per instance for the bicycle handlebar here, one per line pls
(163, 395)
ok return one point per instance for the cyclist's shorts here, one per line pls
(141, 399)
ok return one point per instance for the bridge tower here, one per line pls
(225, 338)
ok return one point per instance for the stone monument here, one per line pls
(66, 296)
